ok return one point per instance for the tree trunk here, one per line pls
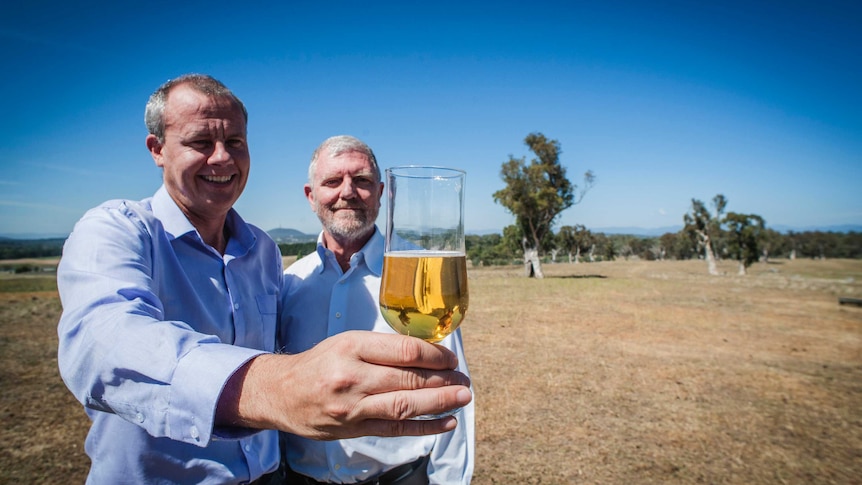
(710, 260)
(577, 255)
(708, 254)
(533, 266)
(741, 271)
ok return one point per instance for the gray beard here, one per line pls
(348, 230)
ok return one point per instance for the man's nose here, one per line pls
(220, 154)
(348, 190)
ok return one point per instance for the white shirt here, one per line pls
(320, 301)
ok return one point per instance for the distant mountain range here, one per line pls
(287, 235)
(283, 235)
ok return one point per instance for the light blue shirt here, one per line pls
(154, 323)
(320, 301)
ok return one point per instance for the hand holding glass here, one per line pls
(423, 289)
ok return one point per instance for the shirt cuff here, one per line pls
(196, 387)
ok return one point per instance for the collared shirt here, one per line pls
(154, 323)
(320, 301)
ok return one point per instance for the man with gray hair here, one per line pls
(170, 311)
(336, 289)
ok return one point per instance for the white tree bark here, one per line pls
(708, 254)
(532, 264)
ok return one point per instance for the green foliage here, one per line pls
(297, 249)
(513, 239)
(574, 240)
(702, 226)
(536, 193)
(678, 245)
(496, 249)
(744, 233)
(606, 247)
(30, 248)
(818, 244)
(489, 250)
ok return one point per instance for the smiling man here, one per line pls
(336, 289)
(170, 310)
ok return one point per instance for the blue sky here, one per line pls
(664, 101)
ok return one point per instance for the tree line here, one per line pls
(536, 193)
(588, 246)
(31, 248)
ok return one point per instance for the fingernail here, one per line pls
(464, 396)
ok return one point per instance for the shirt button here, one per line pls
(337, 314)
(247, 447)
(193, 432)
(139, 418)
(337, 466)
(236, 306)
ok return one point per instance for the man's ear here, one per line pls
(155, 148)
(309, 195)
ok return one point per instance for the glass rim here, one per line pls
(431, 169)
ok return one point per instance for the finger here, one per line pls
(378, 379)
(382, 427)
(401, 405)
(401, 351)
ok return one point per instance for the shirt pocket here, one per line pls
(267, 307)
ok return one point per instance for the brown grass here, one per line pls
(608, 373)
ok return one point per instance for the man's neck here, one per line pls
(344, 249)
(213, 233)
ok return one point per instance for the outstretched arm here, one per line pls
(352, 384)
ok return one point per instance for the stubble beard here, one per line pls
(346, 226)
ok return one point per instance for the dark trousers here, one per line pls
(415, 473)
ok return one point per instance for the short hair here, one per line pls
(342, 144)
(154, 115)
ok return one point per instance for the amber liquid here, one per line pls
(424, 293)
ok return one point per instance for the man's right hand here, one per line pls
(352, 384)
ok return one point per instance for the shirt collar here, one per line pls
(176, 223)
(371, 253)
(167, 211)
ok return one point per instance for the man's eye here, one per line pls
(200, 144)
(236, 143)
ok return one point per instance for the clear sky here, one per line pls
(665, 101)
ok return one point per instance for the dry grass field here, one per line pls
(609, 373)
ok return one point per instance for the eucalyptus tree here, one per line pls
(536, 193)
(574, 240)
(704, 227)
(745, 233)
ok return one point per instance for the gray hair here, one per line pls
(342, 144)
(154, 116)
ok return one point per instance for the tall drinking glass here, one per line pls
(423, 289)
